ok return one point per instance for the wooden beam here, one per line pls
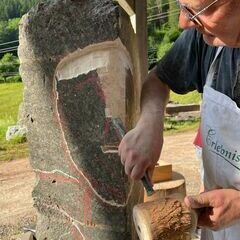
(126, 6)
(131, 13)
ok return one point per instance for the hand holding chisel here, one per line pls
(114, 149)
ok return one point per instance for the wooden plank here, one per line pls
(162, 172)
(176, 108)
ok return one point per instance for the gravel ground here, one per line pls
(179, 151)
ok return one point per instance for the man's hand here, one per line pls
(140, 149)
(217, 208)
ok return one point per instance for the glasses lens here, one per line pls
(190, 15)
(187, 12)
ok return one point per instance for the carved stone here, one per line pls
(82, 67)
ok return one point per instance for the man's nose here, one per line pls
(185, 22)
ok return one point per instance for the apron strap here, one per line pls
(212, 68)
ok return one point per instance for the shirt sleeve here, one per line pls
(179, 68)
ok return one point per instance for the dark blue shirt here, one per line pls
(185, 67)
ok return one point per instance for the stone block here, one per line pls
(81, 64)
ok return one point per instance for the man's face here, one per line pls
(219, 23)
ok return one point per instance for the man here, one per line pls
(197, 61)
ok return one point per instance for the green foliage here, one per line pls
(8, 33)
(9, 65)
(163, 48)
(12, 28)
(10, 13)
(173, 125)
(173, 17)
(2, 79)
(10, 97)
(18, 139)
(15, 8)
(171, 34)
(7, 60)
(3, 31)
(162, 28)
(192, 97)
(13, 79)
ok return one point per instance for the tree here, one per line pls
(15, 8)
(9, 65)
(8, 33)
(162, 28)
(10, 13)
(9, 30)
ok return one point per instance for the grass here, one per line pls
(11, 95)
(172, 126)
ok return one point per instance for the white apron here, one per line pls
(220, 129)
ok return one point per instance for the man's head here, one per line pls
(217, 20)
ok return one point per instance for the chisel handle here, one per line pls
(147, 185)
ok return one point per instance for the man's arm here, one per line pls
(141, 147)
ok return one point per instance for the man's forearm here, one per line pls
(154, 97)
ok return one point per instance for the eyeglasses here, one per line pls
(194, 16)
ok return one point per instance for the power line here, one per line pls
(9, 48)
(163, 14)
(8, 51)
(161, 5)
(162, 17)
(159, 18)
(6, 43)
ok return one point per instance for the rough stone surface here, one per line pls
(27, 236)
(80, 193)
